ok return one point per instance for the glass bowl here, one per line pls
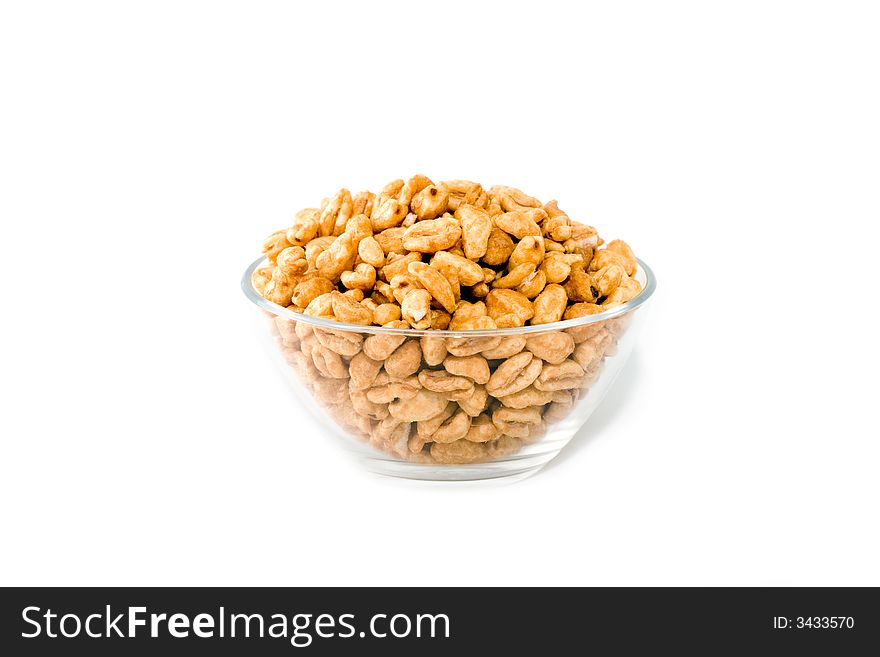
(453, 405)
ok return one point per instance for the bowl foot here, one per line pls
(504, 471)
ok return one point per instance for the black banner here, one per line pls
(118, 621)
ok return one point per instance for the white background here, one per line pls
(147, 148)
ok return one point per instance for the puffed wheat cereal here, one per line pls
(424, 255)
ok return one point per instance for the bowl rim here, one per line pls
(280, 311)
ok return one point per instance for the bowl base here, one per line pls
(506, 471)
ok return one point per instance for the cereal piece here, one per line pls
(332, 391)
(476, 402)
(362, 203)
(275, 244)
(287, 330)
(465, 192)
(371, 252)
(588, 353)
(329, 363)
(386, 312)
(315, 248)
(387, 213)
(405, 360)
(493, 208)
(363, 406)
(471, 345)
(584, 239)
(473, 367)
(423, 406)
(260, 279)
(415, 309)
(337, 258)
(533, 285)
(579, 287)
(432, 235)
(304, 229)
(471, 316)
(397, 265)
(403, 284)
(336, 214)
(557, 226)
(453, 428)
(480, 291)
(448, 272)
(362, 278)
(310, 288)
(591, 375)
(482, 430)
(321, 306)
(503, 447)
(628, 289)
(427, 428)
(433, 349)
(498, 248)
(381, 346)
(581, 310)
(530, 250)
(512, 198)
(557, 266)
(476, 227)
(363, 371)
(344, 343)
(564, 376)
(416, 444)
(625, 255)
(516, 422)
(292, 261)
(514, 277)
(460, 451)
(550, 305)
(514, 374)
(435, 283)
(527, 397)
(393, 188)
(392, 435)
(412, 187)
(359, 227)
(440, 319)
(587, 331)
(385, 389)
(303, 330)
(509, 308)
(558, 410)
(346, 309)
(466, 271)
(304, 365)
(518, 223)
(391, 240)
(552, 348)
(605, 280)
(509, 346)
(430, 202)
(447, 384)
(280, 288)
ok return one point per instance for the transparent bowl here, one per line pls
(453, 405)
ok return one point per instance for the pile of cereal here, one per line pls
(447, 255)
